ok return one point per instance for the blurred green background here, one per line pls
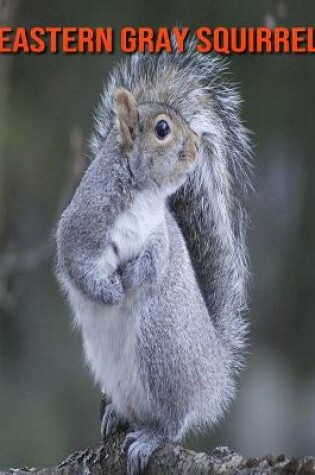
(48, 403)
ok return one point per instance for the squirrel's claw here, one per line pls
(139, 446)
(111, 422)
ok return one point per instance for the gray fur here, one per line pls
(162, 330)
(209, 206)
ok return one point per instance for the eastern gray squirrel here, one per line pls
(151, 248)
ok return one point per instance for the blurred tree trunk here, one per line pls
(171, 460)
(7, 9)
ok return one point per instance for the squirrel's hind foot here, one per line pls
(111, 422)
(139, 445)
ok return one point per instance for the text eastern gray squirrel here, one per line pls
(151, 249)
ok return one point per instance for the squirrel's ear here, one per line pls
(126, 115)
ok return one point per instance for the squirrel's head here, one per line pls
(158, 144)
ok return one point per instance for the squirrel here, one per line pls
(151, 249)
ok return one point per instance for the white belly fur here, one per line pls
(110, 332)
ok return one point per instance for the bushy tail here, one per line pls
(209, 206)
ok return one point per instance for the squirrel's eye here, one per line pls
(162, 129)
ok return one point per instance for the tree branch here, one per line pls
(172, 460)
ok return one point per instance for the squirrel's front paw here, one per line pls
(129, 275)
(140, 271)
(139, 446)
(113, 291)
